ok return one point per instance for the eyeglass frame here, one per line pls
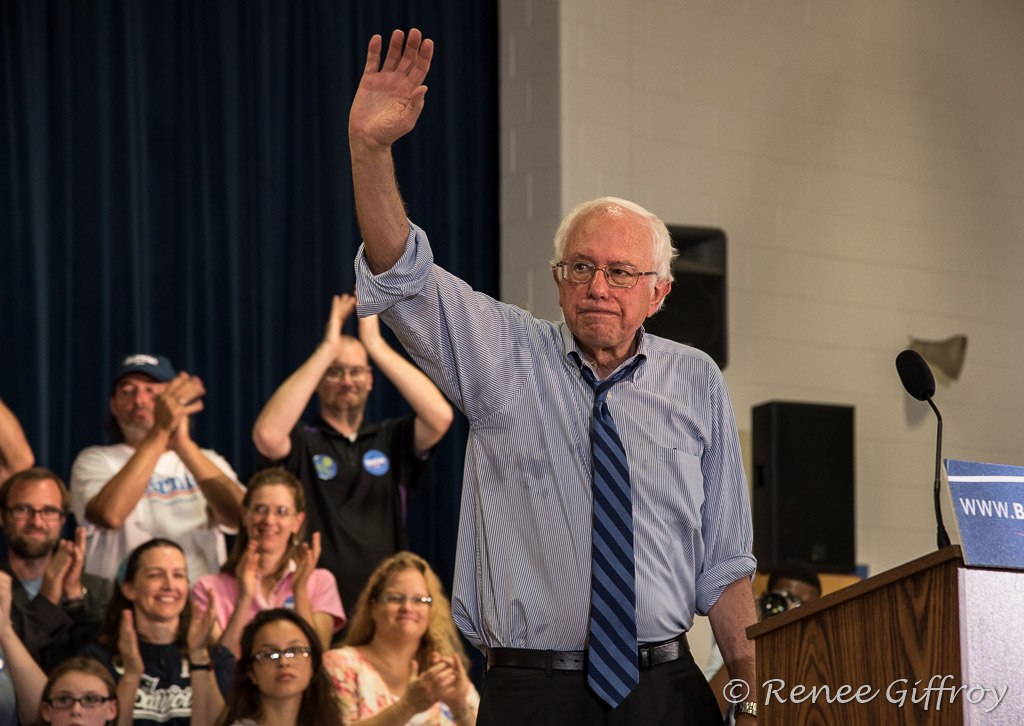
(81, 699)
(28, 513)
(397, 598)
(352, 372)
(262, 511)
(283, 656)
(594, 269)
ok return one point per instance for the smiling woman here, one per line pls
(402, 658)
(154, 649)
(270, 566)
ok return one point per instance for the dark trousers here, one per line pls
(670, 693)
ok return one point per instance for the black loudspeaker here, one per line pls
(803, 485)
(694, 312)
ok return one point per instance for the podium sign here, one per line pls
(988, 500)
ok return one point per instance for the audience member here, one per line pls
(402, 661)
(604, 500)
(56, 607)
(79, 692)
(357, 474)
(156, 481)
(15, 453)
(270, 566)
(155, 647)
(21, 678)
(280, 678)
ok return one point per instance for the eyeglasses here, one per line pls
(395, 598)
(336, 373)
(579, 272)
(25, 512)
(89, 700)
(275, 656)
(262, 511)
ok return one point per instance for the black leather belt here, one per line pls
(649, 654)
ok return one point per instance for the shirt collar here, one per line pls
(573, 355)
(368, 427)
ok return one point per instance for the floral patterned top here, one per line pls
(363, 692)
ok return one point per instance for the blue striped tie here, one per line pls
(612, 671)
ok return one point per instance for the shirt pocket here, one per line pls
(673, 489)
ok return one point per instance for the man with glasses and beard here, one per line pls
(55, 607)
(356, 474)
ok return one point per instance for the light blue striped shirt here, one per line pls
(522, 573)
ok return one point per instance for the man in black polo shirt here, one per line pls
(356, 474)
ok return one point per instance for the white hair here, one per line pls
(661, 242)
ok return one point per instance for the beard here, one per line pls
(33, 549)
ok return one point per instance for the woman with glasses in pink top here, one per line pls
(270, 566)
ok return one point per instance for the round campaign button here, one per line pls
(376, 462)
(326, 467)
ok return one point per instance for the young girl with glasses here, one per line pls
(79, 691)
(279, 678)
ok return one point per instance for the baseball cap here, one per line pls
(157, 367)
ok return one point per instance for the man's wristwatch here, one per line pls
(747, 708)
(75, 600)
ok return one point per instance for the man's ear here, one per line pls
(658, 293)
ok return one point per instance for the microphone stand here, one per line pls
(941, 535)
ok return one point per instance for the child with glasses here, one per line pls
(79, 691)
(270, 566)
(403, 662)
(279, 678)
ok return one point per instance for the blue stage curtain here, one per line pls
(175, 179)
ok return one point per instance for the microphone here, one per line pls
(917, 378)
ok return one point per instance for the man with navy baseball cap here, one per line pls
(154, 481)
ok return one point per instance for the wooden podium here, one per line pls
(892, 649)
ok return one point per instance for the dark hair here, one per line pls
(319, 704)
(794, 570)
(89, 667)
(441, 636)
(36, 473)
(268, 477)
(109, 628)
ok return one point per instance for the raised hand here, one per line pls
(201, 627)
(425, 689)
(56, 571)
(181, 399)
(128, 645)
(5, 602)
(455, 695)
(72, 584)
(247, 572)
(389, 99)
(306, 563)
(342, 306)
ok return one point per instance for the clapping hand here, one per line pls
(306, 560)
(128, 645)
(427, 688)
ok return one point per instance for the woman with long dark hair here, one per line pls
(270, 566)
(154, 649)
(279, 678)
(403, 662)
